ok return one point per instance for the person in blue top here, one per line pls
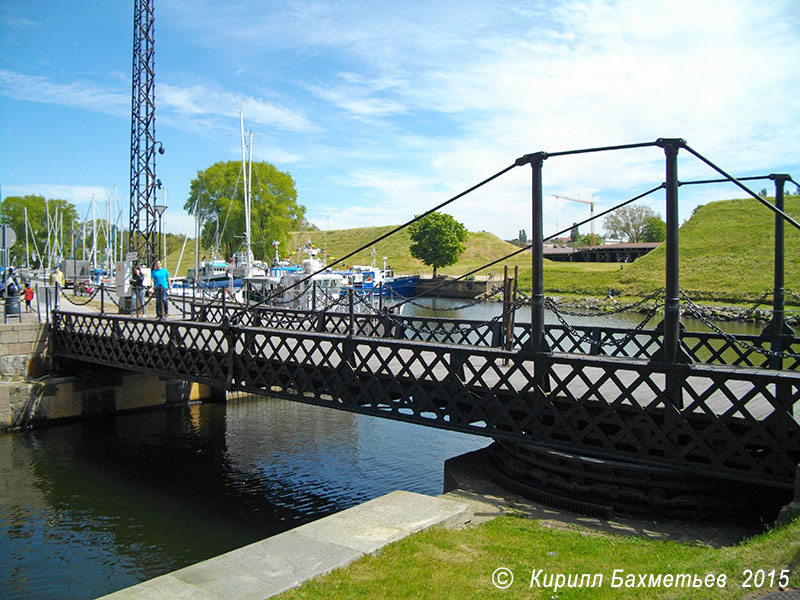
(160, 279)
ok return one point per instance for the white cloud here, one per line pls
(75, 194)
(383, 110)
(82, 94)
(190, 102)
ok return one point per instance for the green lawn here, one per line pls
(438, 563)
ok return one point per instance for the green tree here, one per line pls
(655, 230)
(12, 212)
(628, 222)
(274, 210)
(437, 240)
(586, 240)
(523, 237)
(574, 234)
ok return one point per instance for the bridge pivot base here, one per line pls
(604, 488)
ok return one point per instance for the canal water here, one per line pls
(92, 507)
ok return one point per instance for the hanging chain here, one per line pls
(696, 311)
(620, 309)
(71, 301)
(744, 316)
(483, 298)
(583, 337)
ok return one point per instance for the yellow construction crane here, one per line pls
(591, 212)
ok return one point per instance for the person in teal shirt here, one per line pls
(160, 279)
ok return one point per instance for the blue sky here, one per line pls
(380, 110)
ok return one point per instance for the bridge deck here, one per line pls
(734, 421)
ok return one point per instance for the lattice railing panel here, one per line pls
(701, 347)
(724, 420)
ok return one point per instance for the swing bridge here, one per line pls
(650, 419)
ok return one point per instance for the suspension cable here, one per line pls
(735, 181)
(393, 231)
(529, 246)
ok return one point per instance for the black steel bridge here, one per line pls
(644, 419)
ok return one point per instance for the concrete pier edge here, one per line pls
(283, 561)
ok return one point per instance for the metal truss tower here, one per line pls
(144, 219)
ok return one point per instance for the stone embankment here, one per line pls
(716, 313)
(35, 391)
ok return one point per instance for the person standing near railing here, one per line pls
(57, 277)
(137, 292)
(160, 278)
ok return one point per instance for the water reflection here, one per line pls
(92, 507)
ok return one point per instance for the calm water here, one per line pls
(441, 307)
(92, 507)
(89, 508)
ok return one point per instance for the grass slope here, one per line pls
(438, 563)
(726, 254)
(726, 250)
(482, 247)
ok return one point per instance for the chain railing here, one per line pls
(698, 313)
(478, 300)
(69, 297)
(632, 307)
(586, 337)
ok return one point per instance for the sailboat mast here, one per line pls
(27, 254)
(249, 201)
(197, 230)
(246, 190)
(94, 234)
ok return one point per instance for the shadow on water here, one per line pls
(91, 507)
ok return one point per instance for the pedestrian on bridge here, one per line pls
(160, 277)
(137, 291)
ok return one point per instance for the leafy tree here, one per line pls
(274, 210)
(763, 192)
(586, 240)
(655, 230)
(12, 212)
(628, 222)
(437, 240)
(574, 234)
(306, 225)
(523, 237)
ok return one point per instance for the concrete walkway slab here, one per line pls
(271, 566)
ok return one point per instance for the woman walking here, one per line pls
(137, 291)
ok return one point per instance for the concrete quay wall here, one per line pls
(33, 392)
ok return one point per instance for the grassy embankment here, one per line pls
(459, 564)
(726, 256)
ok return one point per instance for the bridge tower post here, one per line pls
(538, 344)
(778, 328)
(671, 351)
